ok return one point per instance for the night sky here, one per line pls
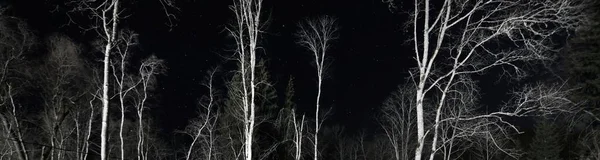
(369, 60)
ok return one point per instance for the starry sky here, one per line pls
(368, 61)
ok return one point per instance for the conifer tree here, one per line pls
(546, 143)
(583, 61)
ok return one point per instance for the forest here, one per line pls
(95, 96)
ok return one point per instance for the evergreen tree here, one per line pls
(582, 60)
(265, 133)
(546, 143)
(581, 64)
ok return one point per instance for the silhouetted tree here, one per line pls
(546, 144)
(267, 137)
(580, 70)
(582, 54)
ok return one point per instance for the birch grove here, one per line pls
(95, 87)
(17, 40)
(460, 38)
(105, 19)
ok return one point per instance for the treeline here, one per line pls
(62, 99)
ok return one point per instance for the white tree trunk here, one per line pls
(298, 130)
(22, 150)
(472, 25)
(199, 129)
(122, 105)
(140, 114)
(315, 36)
(317, 127)
(110, 35)
(86, 144)
(247, 14)
(420, 124)
(15, 143)
(103, 135)
(250, 131)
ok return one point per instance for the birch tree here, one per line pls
(64, 83)
(132, 88)
(291, 122)
(398, 122)
(266, 118)
(124, 83)
(86, 134)
(109, 25)
(298, 135)
(316, 35)
(150, 67)
(246, 32)
(205, 123)
(106, 17)
(464, 37)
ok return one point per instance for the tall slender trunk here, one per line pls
(18, 133)
(211, 143)
(140, 120)
(298, 135)
(110, 40)
(189, 152)
(122, 95)
(423, 74)
(420, 125)
(140, 136)
(317, 127)
(86, 144)
(438, 115)
(77, 136)
(104, 104)
(252, 106)
(122, 105)
(15, 144)
(248, 19)
(52, 146)
(247, 127)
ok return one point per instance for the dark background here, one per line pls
(368, 61)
